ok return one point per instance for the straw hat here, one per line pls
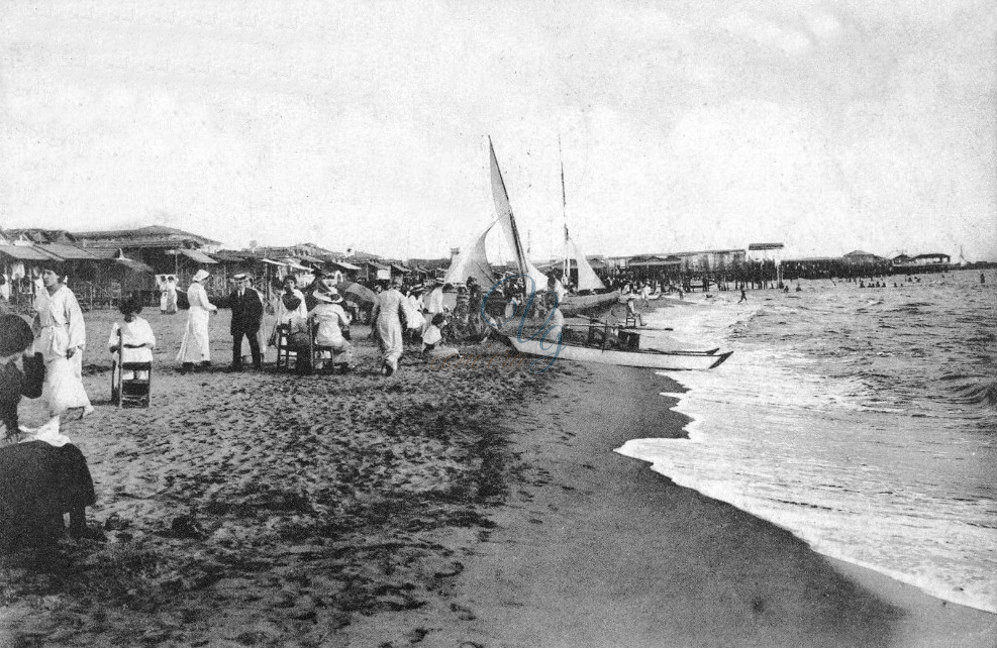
(331, 297)
(200, 275)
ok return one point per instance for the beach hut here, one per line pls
(347, 271)
(22, 263)
(166, 250)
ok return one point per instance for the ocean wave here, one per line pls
(972, 391)
(858, 427)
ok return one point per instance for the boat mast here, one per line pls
(566, 268)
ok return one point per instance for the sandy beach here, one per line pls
(474, 504)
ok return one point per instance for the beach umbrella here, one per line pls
(358, 292)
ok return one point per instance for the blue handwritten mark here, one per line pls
(540, 334)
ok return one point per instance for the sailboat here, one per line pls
(587, 281)
(472, 260)
(603, 343)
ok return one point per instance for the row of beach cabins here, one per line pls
(102, 266)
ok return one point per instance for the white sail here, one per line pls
(508, 222)
(587, 278)
(472, 261)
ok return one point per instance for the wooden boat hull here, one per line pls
(646, 358)
(574, 303)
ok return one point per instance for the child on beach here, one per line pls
(136, 334)
(137, 338)
(432, 340)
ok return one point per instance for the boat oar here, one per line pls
(593, 321)
(644, 328)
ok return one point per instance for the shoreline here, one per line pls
(611, 553)
(473, 505)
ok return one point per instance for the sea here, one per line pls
(862, 419)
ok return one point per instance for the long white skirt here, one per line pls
(195, 348)
(389, 337)
(63, 388)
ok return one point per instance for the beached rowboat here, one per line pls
(648, 358)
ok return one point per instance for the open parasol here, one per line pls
(356, 292)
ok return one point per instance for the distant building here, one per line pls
(765, 252)
(166, 250)
(710, 260)
(652, 263)
(858, 257)
(931, 259)
(96, 277)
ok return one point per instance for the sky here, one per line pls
(827, 126)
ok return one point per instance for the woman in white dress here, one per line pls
(62, 336)
(195, 349)
(171, 294)
(386, 317)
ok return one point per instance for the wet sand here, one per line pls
(474, 504)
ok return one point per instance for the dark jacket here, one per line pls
(38, 483)
(11, 384)
(247, 312)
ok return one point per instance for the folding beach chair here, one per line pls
(131, 381)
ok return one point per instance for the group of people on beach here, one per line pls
(318, 317)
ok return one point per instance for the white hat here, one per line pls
(331, 297)
(200, 275)
(240, 277)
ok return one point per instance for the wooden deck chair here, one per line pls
(132, 381)
(285, 353)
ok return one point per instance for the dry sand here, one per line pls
(468, 505)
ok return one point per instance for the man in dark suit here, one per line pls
(247, 316)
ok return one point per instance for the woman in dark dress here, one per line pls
(39, 482)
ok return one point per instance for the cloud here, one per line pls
(683, 126)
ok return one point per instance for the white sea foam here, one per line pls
(851, 454)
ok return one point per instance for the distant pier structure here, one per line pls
(764, 265)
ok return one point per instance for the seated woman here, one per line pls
(432, 340)
(332, 328)
(39, 480)
(291, 302)
(137, 338)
